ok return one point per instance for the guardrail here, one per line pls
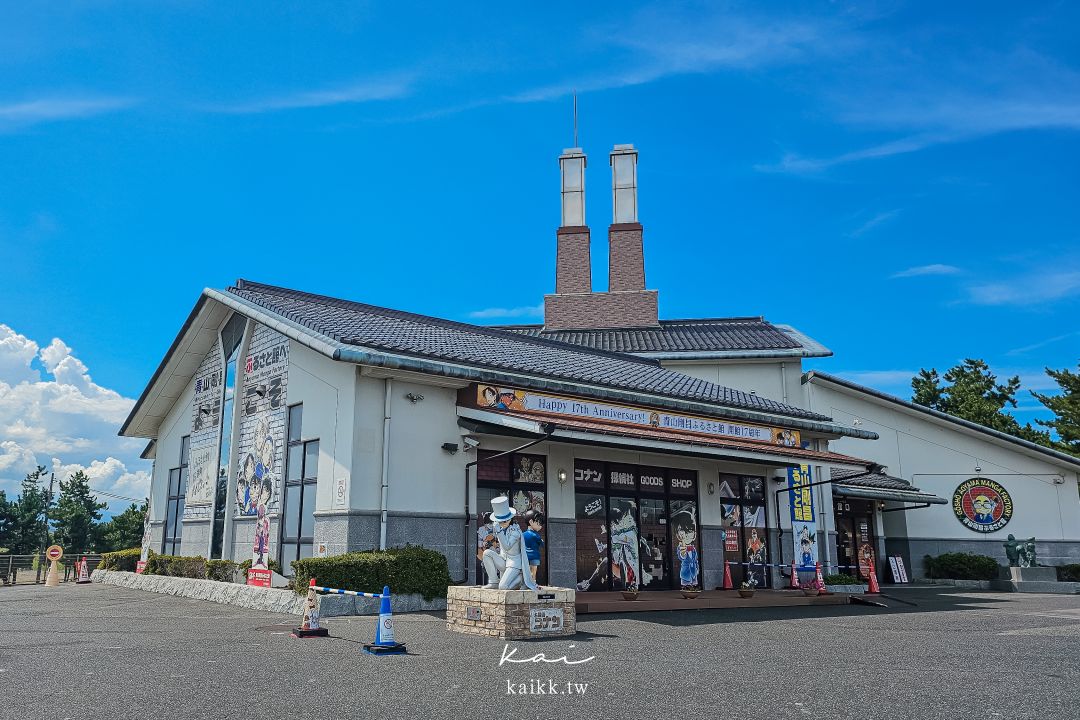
(31, 569)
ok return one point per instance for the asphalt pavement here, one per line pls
(105, 652)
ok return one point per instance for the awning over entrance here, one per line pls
(660, 441)
(875, 484)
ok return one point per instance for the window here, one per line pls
(231, 335)
(746, 533)
(301, 481)
(174, 506)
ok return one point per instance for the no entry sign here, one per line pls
(55, 552)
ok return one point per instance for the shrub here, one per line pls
(961, 566)
(410, 569)
(121, 559)
(221, 570)
(274, 565)
(842, 579)
(1069, 573)
(187, 566)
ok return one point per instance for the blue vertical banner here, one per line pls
(803, 518)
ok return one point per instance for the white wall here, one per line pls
(763, 377)
(937, 456)
(177, 423)
(326, 388)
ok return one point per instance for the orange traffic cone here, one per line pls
(728, 585)
(794, 585)
(874, 588)
(819, 580)
(310, 625)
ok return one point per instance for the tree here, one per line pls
(7, 518)
(973, 393)
(27, 515)
(124, 530)
(77, 515)
(1066, 409)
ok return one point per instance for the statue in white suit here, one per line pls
(508, 568)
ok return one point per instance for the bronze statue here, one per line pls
(1020, 553)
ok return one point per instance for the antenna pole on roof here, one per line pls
(575, 119)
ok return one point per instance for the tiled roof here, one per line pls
(368, 326)
(748, 333)
(871, 479)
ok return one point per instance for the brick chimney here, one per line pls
(626, 303)
(573, 264)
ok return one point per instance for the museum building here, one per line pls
(285, 424)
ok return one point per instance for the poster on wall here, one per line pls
(803, 518)
(625, 553)
(684, 533)
(259, 574)
(205, 435)
(261, 445)
(982, 505)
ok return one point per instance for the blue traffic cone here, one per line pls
(384, 632)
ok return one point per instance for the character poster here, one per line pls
(592, 542)
(261, 445)
(623, 534)
(684, 536)
(803, 517)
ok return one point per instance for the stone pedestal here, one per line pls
(511, 614)
(1033, 580)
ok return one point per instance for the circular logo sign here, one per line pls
(982, 505)
(55, 552)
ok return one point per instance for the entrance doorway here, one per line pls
(745, 522)
(637, 527)
(856, 541)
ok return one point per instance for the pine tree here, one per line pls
(27, 515)
(124, 530)
(1066, 409)
(974, 393)
(7, 522)
(77, 515)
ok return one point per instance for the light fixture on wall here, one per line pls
(414, 397)
(451, 448)
(881, 505)
(978, 469)
(562, 476)
(712, 488)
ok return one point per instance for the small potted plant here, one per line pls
(811, 589)
(690, 591)
(747, 588)
(630, 593)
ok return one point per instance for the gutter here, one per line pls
(388, 384)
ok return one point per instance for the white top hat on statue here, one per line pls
(501, 510)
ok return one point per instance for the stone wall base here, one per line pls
(511, 614)
(248, 596)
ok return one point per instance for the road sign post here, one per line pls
(54, 553)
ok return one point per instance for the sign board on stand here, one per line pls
(140, 566)
(259, 577)
(899, 572)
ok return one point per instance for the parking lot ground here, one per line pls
(106, 652)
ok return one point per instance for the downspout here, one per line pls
(783, 380)
(548, 429)
(388, 384)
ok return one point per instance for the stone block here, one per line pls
(509, 614)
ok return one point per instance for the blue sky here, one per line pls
(898, 181)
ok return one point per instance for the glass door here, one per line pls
(654, 545)
(623, 539)
(592, 542)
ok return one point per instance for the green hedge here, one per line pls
(961, 566)
(221, 570)
(842, 579)
(121, 559)
(1068, 573)
(410, 569)
(187, 566)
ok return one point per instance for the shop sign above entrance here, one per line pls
(505, 398)
(982, 505)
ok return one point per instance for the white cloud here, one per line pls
(497, 312)
(1034, 288)
(934, 269)
(368, 90)
(1043, 343)
(879, 219)
(31, 112)
(57, 416)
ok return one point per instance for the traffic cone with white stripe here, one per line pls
(874, 588)
(384, 632)
(309, 627)
(819, 580)
(794, 585)
(728, 585)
